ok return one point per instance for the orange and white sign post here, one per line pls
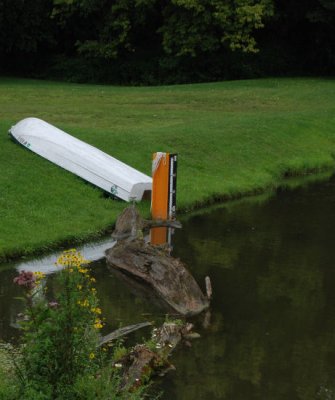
(164, 189)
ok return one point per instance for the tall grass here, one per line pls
(233, 138)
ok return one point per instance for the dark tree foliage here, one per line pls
(155, 41)
(300, 38)
(166, 41)
(25, 31)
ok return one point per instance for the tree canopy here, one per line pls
(153, 41)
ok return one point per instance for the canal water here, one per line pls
(271, 329)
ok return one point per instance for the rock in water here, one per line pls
(165, 274)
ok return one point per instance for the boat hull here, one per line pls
(81, 159)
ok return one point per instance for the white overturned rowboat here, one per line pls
(82, 159)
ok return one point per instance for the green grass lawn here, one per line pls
(233, 138)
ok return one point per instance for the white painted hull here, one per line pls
(82, 159)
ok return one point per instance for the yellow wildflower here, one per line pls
(83, 270)
(71, 258)
(84, 303)
(98, 324)
(38, 277)
(70, 251)
(92, 355)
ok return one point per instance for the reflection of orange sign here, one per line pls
(164, 179)
(158, 235)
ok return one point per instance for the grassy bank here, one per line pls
(233, 138)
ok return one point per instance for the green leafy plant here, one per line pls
(60, 356)
(8, 385)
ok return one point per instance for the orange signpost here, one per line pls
(164, 185)
(163, 197)
(160, 186)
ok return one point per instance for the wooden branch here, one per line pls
(144, 361)
(122, 332)
(129, 223)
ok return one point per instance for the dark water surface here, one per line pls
(272, 329)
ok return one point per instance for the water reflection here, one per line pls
(92, 252)
(10, 304)
(272, 330)
(273, 326)
(11, 301)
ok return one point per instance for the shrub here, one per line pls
(60, 358)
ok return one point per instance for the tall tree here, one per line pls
(303, 35)
(24, 25)
(182, 27)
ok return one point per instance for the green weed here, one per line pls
(60, 357)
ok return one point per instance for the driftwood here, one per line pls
(146, 360)
(122, 332)
(151, 223)
(209, 290)
(144, 291)
(166, 275)
(152, 268)
(130, 224)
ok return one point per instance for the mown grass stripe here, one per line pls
(233, 138)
